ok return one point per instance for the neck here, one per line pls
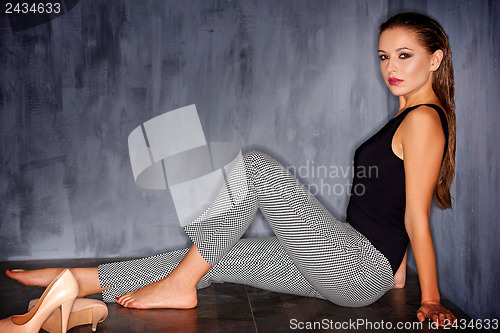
(424, 95)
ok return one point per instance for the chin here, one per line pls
(401, 91)
(397, 92)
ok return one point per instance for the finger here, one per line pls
(420, 315)
(435, 318)
(449, 317)
(442, 319)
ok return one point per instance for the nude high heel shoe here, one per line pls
(61, 292)
(85, 311)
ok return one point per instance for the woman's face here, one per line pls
(405, 64)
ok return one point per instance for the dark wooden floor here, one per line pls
(237, 308)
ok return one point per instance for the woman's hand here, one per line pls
(436, 313)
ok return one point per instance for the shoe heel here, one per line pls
(65, 312)
(95, 321)
(99, 314)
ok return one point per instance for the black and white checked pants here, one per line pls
(313, 254)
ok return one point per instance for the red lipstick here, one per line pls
(394, 81)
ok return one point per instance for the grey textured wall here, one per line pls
(296, 79)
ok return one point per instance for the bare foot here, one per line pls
(87, 278)
(34, 278)
(162, 294)
(400, 280)
(400, 276)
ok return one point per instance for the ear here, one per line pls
(436, 59)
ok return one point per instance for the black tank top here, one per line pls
(377, 204)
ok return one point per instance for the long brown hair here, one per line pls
(432, 36)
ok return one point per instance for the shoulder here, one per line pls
(423, 114)
(423, 121)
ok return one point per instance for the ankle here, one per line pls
(180, 282)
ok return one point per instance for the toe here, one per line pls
(14, 273)
(120, 300)
(129, 303)
(125, 300)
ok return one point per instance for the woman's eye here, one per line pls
(404, 56)
(382, 57)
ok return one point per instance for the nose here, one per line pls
(391, 65)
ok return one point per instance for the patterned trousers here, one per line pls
(313, 254)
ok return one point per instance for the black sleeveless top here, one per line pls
(377, 203)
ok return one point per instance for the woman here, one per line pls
(350, 263)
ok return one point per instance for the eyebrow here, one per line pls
(397, 50)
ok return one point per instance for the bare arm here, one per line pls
(423, 144)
